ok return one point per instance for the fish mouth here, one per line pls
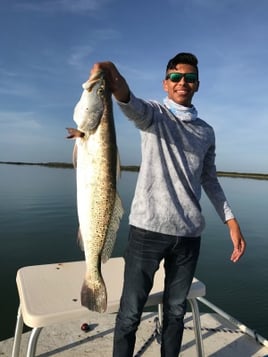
(89, 84)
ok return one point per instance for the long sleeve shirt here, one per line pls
(178, 159)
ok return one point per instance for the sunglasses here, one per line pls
(177, 76)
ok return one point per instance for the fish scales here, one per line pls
(98, 204)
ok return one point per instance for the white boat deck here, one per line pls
(49, 302)
(68, 340)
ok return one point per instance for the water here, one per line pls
(38, 225)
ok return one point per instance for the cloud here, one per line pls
(17, 121)
(10, 83)
(80, 53)
(16, 89)
(7, 73)
(67, 6)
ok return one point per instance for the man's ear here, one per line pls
(165, 85)
(197, 86)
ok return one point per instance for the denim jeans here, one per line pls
(144, 252)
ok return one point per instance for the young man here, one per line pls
(178, 153)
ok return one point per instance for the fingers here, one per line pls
(107, 67)
(238, 252)
(116, 83)
(238, 240)
(236, 255)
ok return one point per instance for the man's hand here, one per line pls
(237, 238)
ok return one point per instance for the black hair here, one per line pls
(183, 58)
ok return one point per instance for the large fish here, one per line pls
(98, 204)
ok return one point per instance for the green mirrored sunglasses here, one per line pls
(177, 76)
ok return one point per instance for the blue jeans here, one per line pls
(144, 252)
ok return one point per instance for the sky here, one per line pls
(47, 48)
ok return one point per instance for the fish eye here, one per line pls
(101, 90)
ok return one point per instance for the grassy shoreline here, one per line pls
(133, 168)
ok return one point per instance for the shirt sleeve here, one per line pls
(212, 187)
(139, 111)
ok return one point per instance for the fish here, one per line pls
(97, 164)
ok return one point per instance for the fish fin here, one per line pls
(94, 296)
(74, 133)
(118, 166)
(80, 240)
(112, 229)
(75, 156)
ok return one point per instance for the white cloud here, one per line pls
(16, 89)
(16, 121)
(79, 55)
(52, 6)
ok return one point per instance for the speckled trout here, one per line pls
(98, 203)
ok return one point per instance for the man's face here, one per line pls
(181, 92)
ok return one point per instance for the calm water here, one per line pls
(38, 225)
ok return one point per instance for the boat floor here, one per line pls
(219, 337)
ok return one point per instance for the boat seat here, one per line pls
(50, 294)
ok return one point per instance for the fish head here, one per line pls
(89, 109)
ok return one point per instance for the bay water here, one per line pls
(38, 225)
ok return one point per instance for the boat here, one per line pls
(49, 301)
(220, 338)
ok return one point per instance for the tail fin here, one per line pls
(94, 295)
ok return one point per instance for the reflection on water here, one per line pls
(39, 225)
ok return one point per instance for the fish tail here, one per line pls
(94, 295)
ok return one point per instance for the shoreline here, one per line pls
(134, 168)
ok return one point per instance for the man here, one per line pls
(178, 153)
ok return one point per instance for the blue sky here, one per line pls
(49, 46)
